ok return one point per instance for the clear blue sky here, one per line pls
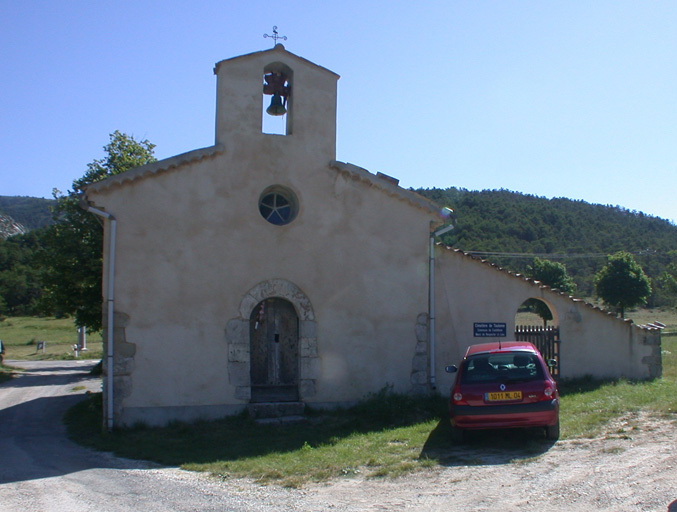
(572, 99)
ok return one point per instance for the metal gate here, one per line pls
(546, 340)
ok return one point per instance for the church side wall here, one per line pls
(593, 342)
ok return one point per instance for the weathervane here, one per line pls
(275, 35)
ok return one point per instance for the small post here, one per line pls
(82, 338)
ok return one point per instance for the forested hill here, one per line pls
(575, 233)
(30, 212)
(510, 229)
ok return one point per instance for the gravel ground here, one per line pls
(631, 468)
(635, 470)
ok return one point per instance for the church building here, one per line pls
(260, 271)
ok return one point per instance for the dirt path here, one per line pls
(634, 468)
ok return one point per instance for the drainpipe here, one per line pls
(110, 305)
(431, 302)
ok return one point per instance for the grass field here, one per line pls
(640, 316)
(386, 435)
(20, 336)
(647, 316)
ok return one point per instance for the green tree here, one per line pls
(72, 257)
(554, 275)
(622, 283)
(668, 279)
(20, 286)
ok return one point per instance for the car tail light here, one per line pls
(457, 397)
(549, 390)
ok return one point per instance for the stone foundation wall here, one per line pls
(654, 362)
(420, 367)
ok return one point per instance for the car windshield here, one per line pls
(502, 367)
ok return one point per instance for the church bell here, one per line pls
(276, 107)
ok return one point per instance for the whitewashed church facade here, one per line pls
(262, 270)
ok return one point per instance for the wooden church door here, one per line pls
(274, 339)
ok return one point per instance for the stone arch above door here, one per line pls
(237, 338)
(277, 288)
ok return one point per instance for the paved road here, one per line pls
(41, 470)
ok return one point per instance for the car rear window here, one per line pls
(503, 367)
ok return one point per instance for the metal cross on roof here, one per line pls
(275, 35)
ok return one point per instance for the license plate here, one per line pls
(502, 396)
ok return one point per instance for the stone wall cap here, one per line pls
(542, 287)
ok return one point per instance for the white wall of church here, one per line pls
(592, 342)
(191, 243)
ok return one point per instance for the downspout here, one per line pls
(431, 311)
(431, 301)
(110, 305)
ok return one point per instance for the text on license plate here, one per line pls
(503, 396)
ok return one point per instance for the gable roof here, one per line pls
(380, 182)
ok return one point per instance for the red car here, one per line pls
(504, 385)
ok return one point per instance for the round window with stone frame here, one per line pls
(278, 205)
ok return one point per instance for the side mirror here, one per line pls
(552, 363)
(451, 368)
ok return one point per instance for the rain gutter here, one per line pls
(431, 302)
(110, 310)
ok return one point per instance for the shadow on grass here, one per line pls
(584, 384)
(484, 447)
(239, 437)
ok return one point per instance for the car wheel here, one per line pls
(552, 432)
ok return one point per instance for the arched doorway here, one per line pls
(274, 354)
(537, 322)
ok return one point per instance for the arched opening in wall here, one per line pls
(274, 354)
(537, 322)
(277, 99)
(535, 312)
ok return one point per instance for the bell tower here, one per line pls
(277, 118)
(277, 86)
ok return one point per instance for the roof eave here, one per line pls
(155, 168)
(386, 185)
